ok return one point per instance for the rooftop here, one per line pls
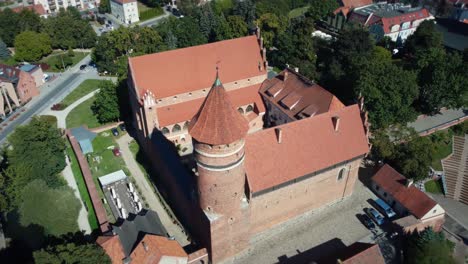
(355, 3)
(308, 145)
(414, 200)
(9, 73)
(361, 253)
(152, 248)
(38, 9)
(218, 122)
(297, 96)
(184, 70)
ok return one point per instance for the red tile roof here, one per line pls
(218, 122)
(112, 247)
(308, 145)
(184, 70)
(388, 22)
(177, 113)
(297, 96)
(414, 200)
(356, 3)
(156, 248)
(361, 253)
(38, 9)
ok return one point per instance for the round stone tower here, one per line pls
(218, 131)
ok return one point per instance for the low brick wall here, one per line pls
(93, 193)
(443, 126)
(198, 257)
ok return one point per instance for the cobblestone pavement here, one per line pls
(335, 225)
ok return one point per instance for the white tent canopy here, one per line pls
(112, 177)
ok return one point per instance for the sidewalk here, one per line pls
(82, 220)
(148, 192)
(426, 125)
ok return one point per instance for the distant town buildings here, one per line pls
(340, 15)
(418, 210)
(240, 176)
(456, 170)
(37, 8)
(52, 6)
(18, 86)
(125, 10)
(393, 20)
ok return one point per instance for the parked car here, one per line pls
(376, 216)
(384, 208)
(122, 127)
(176, 12)
(115, 132)
(367, 222)
(82, 67)
(116, 152)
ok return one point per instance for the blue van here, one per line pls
(385, 208)
(376, 216)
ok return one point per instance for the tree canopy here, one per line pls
(72, 253)
(32, 46)
(4, 52)
(15, 23)
(106, 106)
(428, 247)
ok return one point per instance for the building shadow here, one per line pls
(323, 253)
(365, 174)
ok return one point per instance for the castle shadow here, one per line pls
(323, 253)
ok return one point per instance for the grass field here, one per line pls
(433, 186)
(103, 145)
(75, 59)
(85, 88)
(92, 219)
(298, 12)
(147, 12)
(442, 142)
(82, 114)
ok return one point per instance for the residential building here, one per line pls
(455, 168)
(340, 15)
(417, 210)
(395, 21)
(142, 239)
(37, 8)
(125, 11)
(240, 177)
(459, 10)
(360, 253)
(53, 6)
(18, 86)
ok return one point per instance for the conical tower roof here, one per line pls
(218, 122)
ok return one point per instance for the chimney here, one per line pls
(279, 134)
(261, 43)
(409, 182)
(296, 69)
(145, 246)
(264, 53)
(257, 32)
(285, 76)
(336, 122)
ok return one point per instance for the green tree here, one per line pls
(68, 30)
(389, 93)
(246, 10)
(4, 51)
(319, 9)
(428, 247)
(71, 253)
(414, 158)
(37, 201)
(187, 6)
(104, 6)
(271, 25)
(382, 54)
(106, 106)
(5, 203)
(36, 152)
(32, 46)
(15, 23)
(424, 38)
(237, 26)
(62, 61)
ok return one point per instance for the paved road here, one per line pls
(147, 191)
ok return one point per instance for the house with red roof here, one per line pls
(393, 20)
(259, 151)
(417, 209)
(36, 8)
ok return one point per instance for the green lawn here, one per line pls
(433, 186)
(146, 12)
(83, 89)
(298, 12)
(82, 114)
(442, 142)
(75, 59)
(82, 188)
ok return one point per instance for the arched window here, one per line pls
(186, 125)
(341, 174)
(165, 130)
(249, 108)
(176, 128)
(240, 110)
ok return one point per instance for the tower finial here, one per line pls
(217, 80)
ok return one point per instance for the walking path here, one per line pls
(62, 115)
(147, 191)
(83, 222)
(426, 125)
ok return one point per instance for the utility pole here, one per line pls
(63, 64)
